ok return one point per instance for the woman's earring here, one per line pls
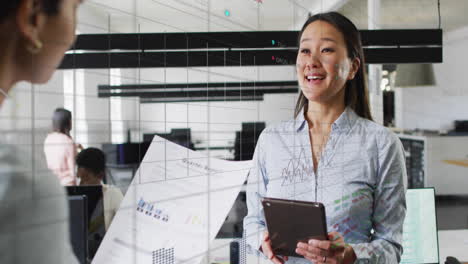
(35, 47)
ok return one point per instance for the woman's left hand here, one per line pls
(332, 251)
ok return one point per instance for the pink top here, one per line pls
(60, 152)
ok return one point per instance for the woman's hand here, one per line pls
(268, 251)
(79, 147)
(332, 251)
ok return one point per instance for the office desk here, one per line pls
(453, 243)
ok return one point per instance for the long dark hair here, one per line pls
(50, 7)
(61, 121)
(356, 95)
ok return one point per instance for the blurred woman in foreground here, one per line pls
(33, 214)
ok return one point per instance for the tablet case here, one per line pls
(291, 221)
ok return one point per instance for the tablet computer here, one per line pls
(291, 221)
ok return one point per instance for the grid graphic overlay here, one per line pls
(25, 117)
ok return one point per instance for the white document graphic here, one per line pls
(174, 207)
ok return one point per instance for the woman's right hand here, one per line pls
(268, 251)
(79, 147)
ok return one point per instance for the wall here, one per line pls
(99, 120)
(221, 118)
(436, 107)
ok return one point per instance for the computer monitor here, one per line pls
(78, 206)
(420, 241)
(95, 213)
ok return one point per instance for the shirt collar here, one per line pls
(299, 122)
(345, 120)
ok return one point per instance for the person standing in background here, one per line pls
(34, 225)
(59, 148)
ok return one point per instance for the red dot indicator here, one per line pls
(272, 57)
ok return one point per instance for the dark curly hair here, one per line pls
(9, 7)
(92, 159)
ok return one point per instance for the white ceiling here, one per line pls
(395, 14)
(99, 16)
(193, 15)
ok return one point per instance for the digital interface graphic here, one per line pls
(177, 94)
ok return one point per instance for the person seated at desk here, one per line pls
(59, 148)
(91, 164)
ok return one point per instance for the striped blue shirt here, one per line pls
(361, 179)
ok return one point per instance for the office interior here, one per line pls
(120, 108)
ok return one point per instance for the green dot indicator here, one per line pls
(273, 42)
(227, 13)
